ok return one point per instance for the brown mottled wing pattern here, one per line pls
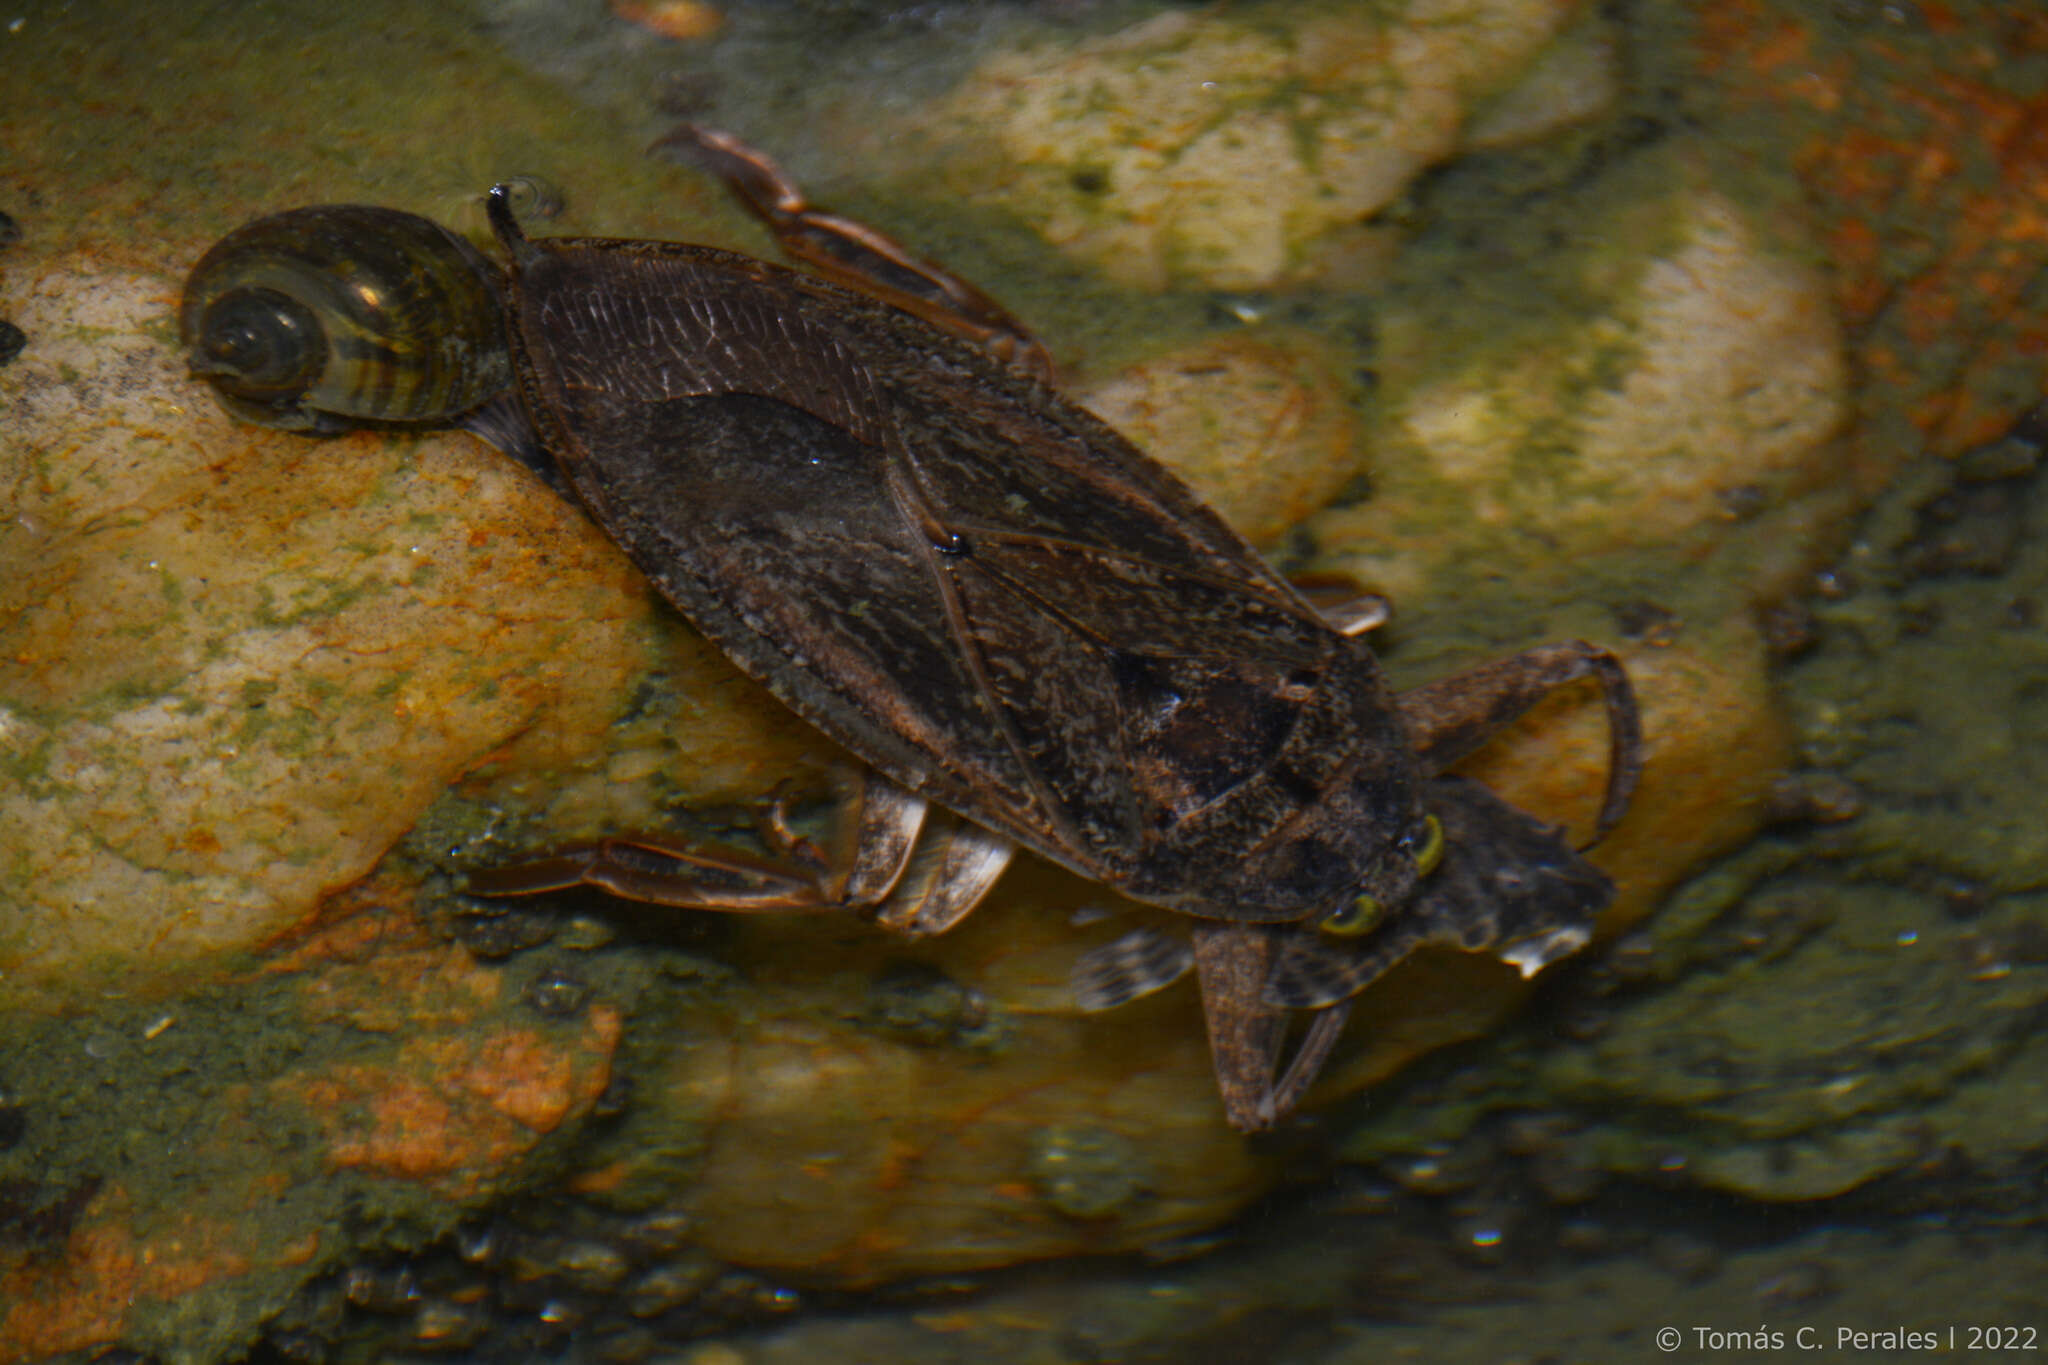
(1129, 967)
(1509, 885)
(983, 591)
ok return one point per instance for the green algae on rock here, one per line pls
(1224, 149)
(222, 1146)
(1664, 381)
(1853, 996)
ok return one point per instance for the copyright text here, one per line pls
(1767, 1338)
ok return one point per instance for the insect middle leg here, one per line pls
(854, 254)
(917, 876)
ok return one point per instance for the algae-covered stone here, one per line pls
(1834, 1002)
(1843, 1032)
(1223, 148)
(1697, 380)
(1854, 998)
(193, 1161)
(237, 666)
(1822, 1166)
(1086, 1171)
(1949, 776)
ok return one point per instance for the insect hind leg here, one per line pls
(1455, 716)
(1246, 1035)
(857, 255)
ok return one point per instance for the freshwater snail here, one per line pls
(323, 319)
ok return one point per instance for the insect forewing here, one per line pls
(983, 591)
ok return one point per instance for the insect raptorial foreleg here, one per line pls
(661, 872)
(954, 866)
(919, 877)
(1246, 1034)
(878, 827)
(1455, 716)
(876, 832)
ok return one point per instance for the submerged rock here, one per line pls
(304, 647)
(189, 1163)
(1260, 422)
(1662, 383)
(1230, 148)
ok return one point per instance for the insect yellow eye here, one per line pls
(1362, 916)
(1432, 847)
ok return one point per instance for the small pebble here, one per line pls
(557, 994)
(586, 932)
(1801, 1282)
(591, 1265)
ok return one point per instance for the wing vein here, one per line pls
(1283, 595)
(906, 488)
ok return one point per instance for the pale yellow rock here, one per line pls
(1260, 424)
(828, 1148)
(1573, 80)
(236, 665)
(1221, 147)
(1741, 380)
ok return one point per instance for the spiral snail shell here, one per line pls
(321, 319)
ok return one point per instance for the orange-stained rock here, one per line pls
(412, 1079)
(457, 1111)
(1926, 170)
(210, 632)
(114, 1258)
(468, 1088)
(682, 20)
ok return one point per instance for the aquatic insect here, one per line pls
(322, 319)
(1011, 614)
